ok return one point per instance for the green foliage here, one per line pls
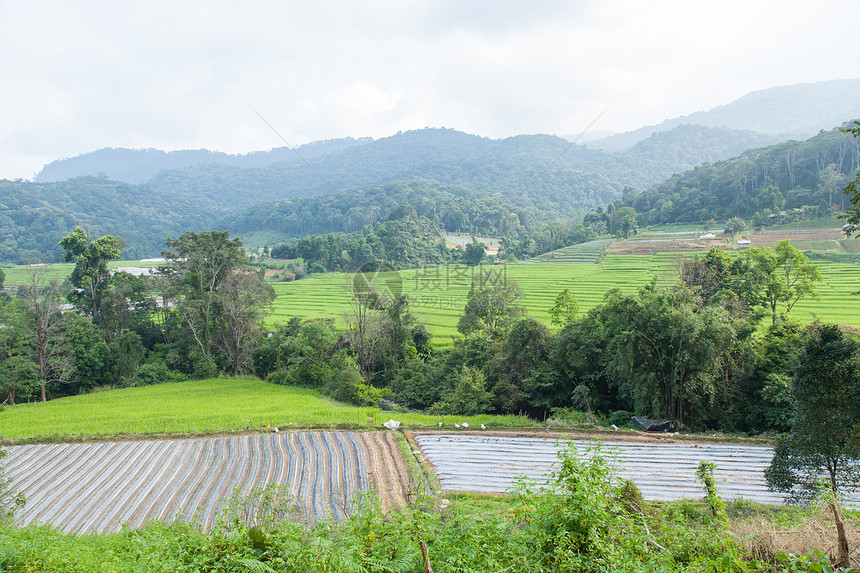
(735, 225)
(493, 303)
(825, 430)
(90, 276)
(759, 184)
(705, 473)
(565, 308)
(662, 352)
(468, 396)
(154, 373)
(474, 252)
(10, 501)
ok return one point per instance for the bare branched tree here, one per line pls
(47, 344)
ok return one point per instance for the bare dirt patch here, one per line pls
(662, 246)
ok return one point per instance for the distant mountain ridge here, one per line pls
(788, 112)
(140, 165)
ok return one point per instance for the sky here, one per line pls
(79, 76)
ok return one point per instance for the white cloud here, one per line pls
(186, 75)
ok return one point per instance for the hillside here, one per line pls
(35, 216)
(757, 185)
(795, 111)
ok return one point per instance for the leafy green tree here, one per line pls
(242, 301)
(43, 323)
(624, 222)
(125, 355)
(493, 303)
(565, 308)
(474, 252)
(735, 225)
(663, 351)
(526, 350)
(90, 276)
(90, 351)
(789, 276)
(199, 264)
(732, 282)
(825, 430)
(19, 379)
(469, 395)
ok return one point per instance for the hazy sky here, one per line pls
(78, 76)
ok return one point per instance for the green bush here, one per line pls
(154, 373)
(205, 367)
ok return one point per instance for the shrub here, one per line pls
(154, 373)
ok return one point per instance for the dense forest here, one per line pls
(756, 186)
(35, 216)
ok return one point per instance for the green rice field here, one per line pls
(207, 406)
(439, 293)
(18, 274)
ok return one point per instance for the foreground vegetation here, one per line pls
(583, 520)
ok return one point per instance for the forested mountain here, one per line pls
(35, 216)
(528, 166)
(457, 181)
(451, 208)
(757, 184)
(139, 165)
(797, 111)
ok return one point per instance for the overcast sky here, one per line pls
(78, 76)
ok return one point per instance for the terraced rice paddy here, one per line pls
(582, 253)
(98, 487)
(662, 471)
(439, 293)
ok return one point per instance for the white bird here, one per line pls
(483, 427)
(465, 425)
(440, 424)
(456, 425)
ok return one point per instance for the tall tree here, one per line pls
(492, 305)
(44, 323)
(91, 275)
(663, 350)
(474, 252)
(241, 299)
(200, 262)
(825, 431)
(787, 274)
(565, 308)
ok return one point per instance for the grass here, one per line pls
(18, 274)
(439, 294)
(206, 406)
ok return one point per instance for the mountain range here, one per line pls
(526, 180)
